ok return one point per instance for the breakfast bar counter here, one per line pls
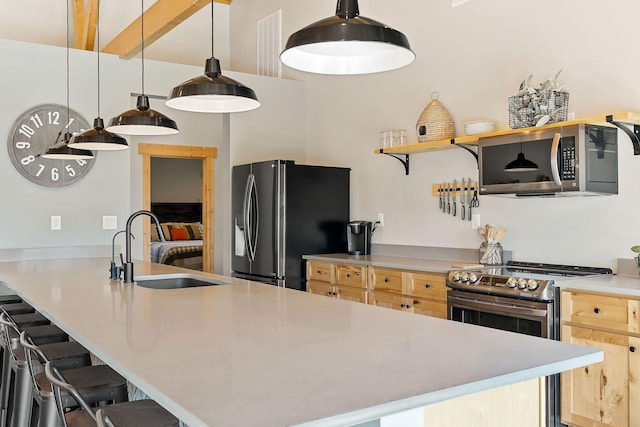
(249, 354)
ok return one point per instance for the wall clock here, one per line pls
(34, 132)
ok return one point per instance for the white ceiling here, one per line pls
(44, 22)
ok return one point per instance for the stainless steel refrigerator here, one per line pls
(281, 211)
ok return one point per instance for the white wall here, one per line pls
(35, 74)
(475, 56)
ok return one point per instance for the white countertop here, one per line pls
(623, 285)
(250, 354)
(386, 261)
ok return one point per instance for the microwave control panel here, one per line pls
(568, 160)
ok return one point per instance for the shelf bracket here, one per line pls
(404, 162)
(634, 134)
(466, 147)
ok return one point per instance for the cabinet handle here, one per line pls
(348, 275)
(401, 305)
(427, 286)
(596, 310)
(319, 272)
(386, 280)
(632, 349)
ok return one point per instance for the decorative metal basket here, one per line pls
(545, 107)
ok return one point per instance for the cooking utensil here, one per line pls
(448, 198)
(455, 196)
(440, 198)
(499, 234)
(463, 196)
(444, 195)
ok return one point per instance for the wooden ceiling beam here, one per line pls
(160, 18)
(85, 23)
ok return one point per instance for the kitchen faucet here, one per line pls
(128, 265)
(115, 269)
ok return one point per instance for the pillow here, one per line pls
(179, 234)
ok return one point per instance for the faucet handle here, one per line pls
(116, 271)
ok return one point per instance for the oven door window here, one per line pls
(492, 318)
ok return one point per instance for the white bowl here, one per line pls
(479, 126)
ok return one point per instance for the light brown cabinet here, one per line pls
(346, 282)
(410, 291)
(605, 393)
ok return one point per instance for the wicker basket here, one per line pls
(435, 122)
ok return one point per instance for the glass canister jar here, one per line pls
(490, 253)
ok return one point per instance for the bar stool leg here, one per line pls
(20, 415)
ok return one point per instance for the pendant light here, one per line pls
(62, 150)
(521, 164)
(347, 44)
(212, 92)
(142, 120)
(98, 138)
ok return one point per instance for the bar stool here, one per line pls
(97, 384)
(137, 413)
(15, 372)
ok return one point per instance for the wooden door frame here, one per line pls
(208, 155)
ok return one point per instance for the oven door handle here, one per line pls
(505, 308)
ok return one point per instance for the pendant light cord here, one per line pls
(98, 52)
(67, 40)
(212, 31)
(142, 25)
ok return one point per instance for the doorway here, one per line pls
(207, 155)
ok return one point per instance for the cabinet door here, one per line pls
(351, 294)
(351, 275)
(386, 280)
(320, 271)
(381, 299)
(320, 288)
(428, 285)
(599, 394)
(427, 307)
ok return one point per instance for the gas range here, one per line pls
(518, 279)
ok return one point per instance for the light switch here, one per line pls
(56, 222)
(109, 222)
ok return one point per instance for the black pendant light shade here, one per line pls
(142, 121)
(99, 138)
(347, 44)
(521, 164)
(64, 152)
(213, 93)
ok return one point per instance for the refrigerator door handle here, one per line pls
(251, 217)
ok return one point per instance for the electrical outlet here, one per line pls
(475, 220)
(56, 222)
(380, 219)
(109, 222)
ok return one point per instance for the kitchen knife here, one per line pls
(455, 196)
(463, 196)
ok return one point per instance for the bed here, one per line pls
(182, 228)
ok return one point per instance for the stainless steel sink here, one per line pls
(176, 281)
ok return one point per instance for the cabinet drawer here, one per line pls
(351, 275)
(387, 280)
(352, 294)
(600, 311)
(321, 288)
(392, 301)
(320, 271)
(427, 285)
(428, 307)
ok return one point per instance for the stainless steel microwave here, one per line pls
(571, 160)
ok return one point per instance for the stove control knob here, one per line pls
(512, 282)
(522, 283)
(532, 285)
(473, 278)
(455, 276)
(464, 277)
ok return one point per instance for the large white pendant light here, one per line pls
(347, 43)
(142, 120)
(212, 92)
(61, 150)
(98, 138)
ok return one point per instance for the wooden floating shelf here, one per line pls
(447, 144)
